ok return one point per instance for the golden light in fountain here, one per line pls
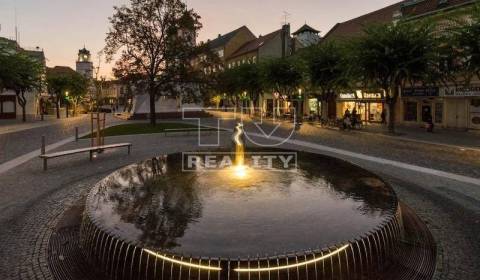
(240, 170)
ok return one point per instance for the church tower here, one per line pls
(84, 63)
(307, 35)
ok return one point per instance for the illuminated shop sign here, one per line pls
(420, 92)
(462, 91)
(360, 95)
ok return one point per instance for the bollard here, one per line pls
(76, 134)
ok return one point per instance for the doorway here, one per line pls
(427, 113)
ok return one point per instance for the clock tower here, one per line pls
(84, 63)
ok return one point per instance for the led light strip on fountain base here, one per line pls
(187, 264)
(305, 263)
(266, 269)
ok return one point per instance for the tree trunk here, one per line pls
(319, 110)
(74, 108)
(22, 102)
(66, 109)
(153, 114)
(391, 101)
(42, 104)
(391, 117)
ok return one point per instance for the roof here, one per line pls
(412, 8)
(222, 40)
(84, 51)
(60, 70)
(404, 9)
(8, 43)
(354, 27)
(255, 44)
(38, 55)
(305, 28)
(12, 45)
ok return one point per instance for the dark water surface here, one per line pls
(217, 214)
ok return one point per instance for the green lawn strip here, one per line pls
(143, 128)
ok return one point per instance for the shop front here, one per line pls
(463, 106)
(419, 105)
(368, 105)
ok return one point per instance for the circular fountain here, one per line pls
(326, 219)
(229, 216)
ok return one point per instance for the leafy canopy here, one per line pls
(389, 56)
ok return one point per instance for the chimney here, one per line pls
(285, 35)
(219, 35)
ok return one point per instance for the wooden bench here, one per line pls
(187, 130)
(90, 150)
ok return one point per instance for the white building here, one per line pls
(9, 107)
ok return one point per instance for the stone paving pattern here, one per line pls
(15, 144)
(32, 201)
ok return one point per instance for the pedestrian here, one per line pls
(354, 117)
(429, 124)
(347, 121)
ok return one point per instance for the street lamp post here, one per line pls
(67, 102)
(300, 106)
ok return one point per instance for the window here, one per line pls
(8, 107)
(410, 111)
(220, 53)
(254, 59)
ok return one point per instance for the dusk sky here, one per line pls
(61, 27)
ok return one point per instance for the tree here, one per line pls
(156, 39)
(465, 44)
(249, 81)
(21, 74)
(78, 89)
(285, 76)
(227, 84)
(390, 56)
(327, 70)
(57, 85)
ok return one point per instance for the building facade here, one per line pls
(273, 45)
(225, 45)
(9, 107)
(449, 106)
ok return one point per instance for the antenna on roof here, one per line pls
(16, 24)
(285, 16)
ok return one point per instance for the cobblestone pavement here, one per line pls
(460, 161)
(31, 201)
(442, 136)
(17, 143)
(9, 126)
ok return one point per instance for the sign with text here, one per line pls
(217, 161)
(360, 95)
(463, 91)
(420, 92)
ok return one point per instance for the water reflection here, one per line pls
(210, 214)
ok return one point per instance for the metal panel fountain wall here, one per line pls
(362, 258)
